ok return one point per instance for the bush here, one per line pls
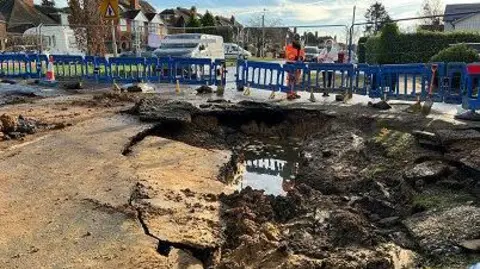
(361, 50)
(417, 47)
(387, 48)
(457, 53)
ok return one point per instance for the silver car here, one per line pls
(311, 54)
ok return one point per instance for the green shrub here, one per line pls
(361, 50)
(417, 47)
(387, 48)
(457, 53)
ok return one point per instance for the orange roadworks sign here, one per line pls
(109, 9)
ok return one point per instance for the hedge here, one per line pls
(361, 50)
(457, 53)
(417, 47)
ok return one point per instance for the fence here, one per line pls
(122, 69)
(452, 82)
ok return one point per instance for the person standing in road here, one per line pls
(328, 55)
(294, 53)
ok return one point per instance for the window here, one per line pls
(153, 28)
(123, 25)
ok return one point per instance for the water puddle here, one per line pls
(270, 166)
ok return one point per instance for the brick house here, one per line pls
(137, 22)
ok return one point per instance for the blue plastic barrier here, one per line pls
(262, 75)
(294, 76)
(37, 65)
(454, 83)
(221, 72)
(97, 68)
(362, 79)
(193, 71)
(240, 73)
(68, 66)
(14, 65)
(126, 69)
(404, 81)
(471, 99)
(159, 69)
(329, 77)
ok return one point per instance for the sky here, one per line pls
(300, 12)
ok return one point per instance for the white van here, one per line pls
(56, 39)
(191, 46)
(233, 50)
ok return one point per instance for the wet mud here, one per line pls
(367, 194)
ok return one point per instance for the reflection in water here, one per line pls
(270, 167)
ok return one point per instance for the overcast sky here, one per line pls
(300, 12)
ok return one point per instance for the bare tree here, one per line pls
(88, 25)
(432, 8)
(274, 33)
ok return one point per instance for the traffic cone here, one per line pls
(50, 70)
(177, 87)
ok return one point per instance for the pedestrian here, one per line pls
(328, 55)
(294, 53)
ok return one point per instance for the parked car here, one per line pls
(235, 51)
(311, 54)
(191, 46)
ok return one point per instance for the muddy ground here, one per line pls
(145, 182)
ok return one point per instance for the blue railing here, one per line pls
(122, 69)
(452, 82)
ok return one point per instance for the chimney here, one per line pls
(28, 2)
(134, 4)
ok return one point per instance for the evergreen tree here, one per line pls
(377, 16)
(208, 20)
(193, 21)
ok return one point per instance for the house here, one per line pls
(21, 15)
(179, 16)
(454, 20)
(229, 28)
(3, 32)
(156, 24)
(138, 22)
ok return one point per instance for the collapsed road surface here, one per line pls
(157, 187)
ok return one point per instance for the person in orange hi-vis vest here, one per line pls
(294, 53)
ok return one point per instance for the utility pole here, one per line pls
(263, 34)
(114, 40)
(352, 29)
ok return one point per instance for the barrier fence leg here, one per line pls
(272, 95)
(247, 91)
(312, 96)
(177, 87)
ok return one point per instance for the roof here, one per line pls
(130, 14)
(451, 10)
(145, 7)
(223, 21)
(19, 16)
(150, 15)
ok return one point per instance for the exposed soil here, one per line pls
(362, 193)
(155, 190)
